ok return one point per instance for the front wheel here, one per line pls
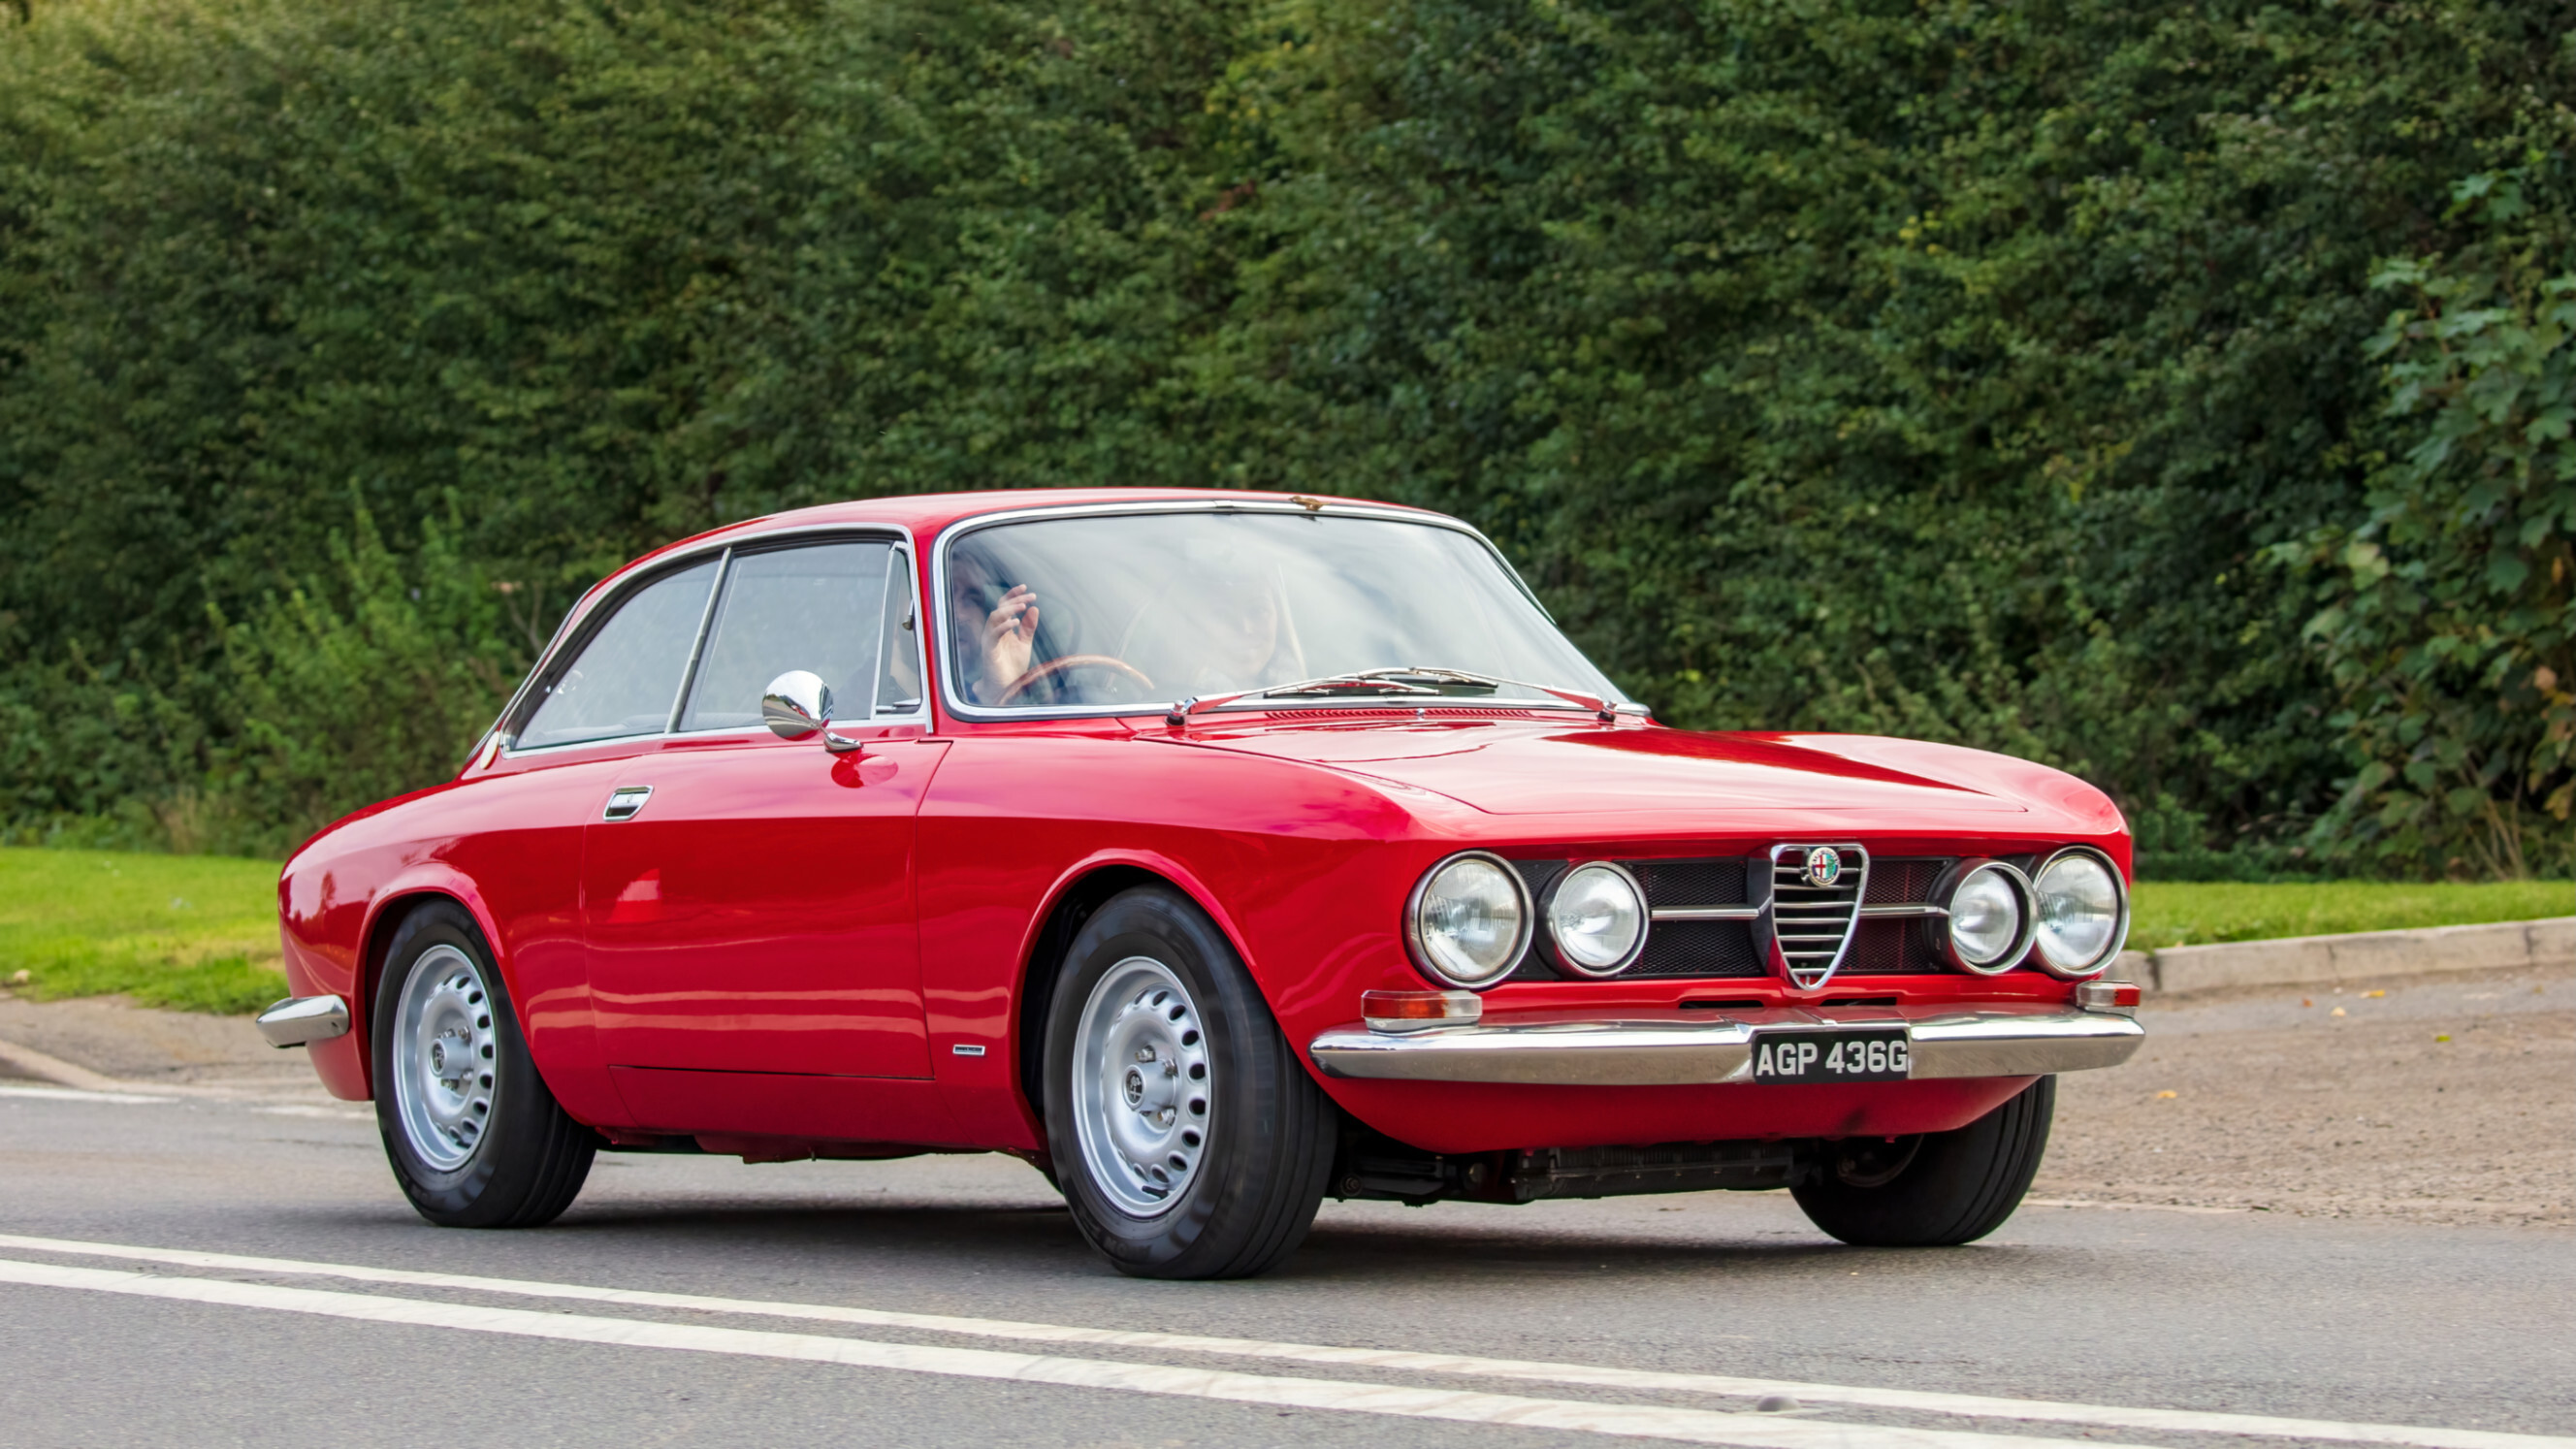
(1188, 1139)
(474, 1137)
(1936, 1190)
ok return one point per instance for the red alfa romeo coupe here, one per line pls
(1213, 852)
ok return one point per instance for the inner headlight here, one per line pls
(1470, 920)
(1988, 922)
(2081, 913)
(1596, 919)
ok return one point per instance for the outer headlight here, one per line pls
(2083, 913)
(1469, 919)
(1990, 917)
(1596, 919)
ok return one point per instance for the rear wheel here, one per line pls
(1186, 1136)
(1936, 1190)
(475, 1138)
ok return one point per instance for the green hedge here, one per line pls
(2020, 375)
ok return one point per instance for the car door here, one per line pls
(608, 695)
(748, 907)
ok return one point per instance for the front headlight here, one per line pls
(2083, 915)
(1469, 920)
(1989, 925)
(1596, 919)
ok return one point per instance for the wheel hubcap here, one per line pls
(1142, 1080)
(444, 1060)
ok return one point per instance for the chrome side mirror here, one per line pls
(798, 706)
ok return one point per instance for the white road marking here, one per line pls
(1398, 1360)
(74, 1094)
(2144, 1207)
(1637, 1421)
(335, 1114)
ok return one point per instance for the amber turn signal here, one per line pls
(1417, 1010)
(2120, 996)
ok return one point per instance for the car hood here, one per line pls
(1540, 767)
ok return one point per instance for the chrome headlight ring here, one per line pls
(1944, 927)
(2119, 937)
(1427, 943)
(1556, 948)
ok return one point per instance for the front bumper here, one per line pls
(303, 1020)
(1691, 1048)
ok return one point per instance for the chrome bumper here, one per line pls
(1671, 1049)
(303, 1020)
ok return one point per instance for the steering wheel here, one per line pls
(1054, 667)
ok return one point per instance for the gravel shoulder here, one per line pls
(150, 1047)
(2438, 1099)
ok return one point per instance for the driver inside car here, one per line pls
(1220, 626)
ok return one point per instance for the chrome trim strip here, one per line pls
(1705, 913)
(303, 1020)
(1671, 1049)
(947, 540)
(1904, 912)
(698, 642)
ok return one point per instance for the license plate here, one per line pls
(1875, 1054)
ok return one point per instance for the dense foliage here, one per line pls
(2022, 375)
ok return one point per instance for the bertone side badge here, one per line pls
(1824, 866)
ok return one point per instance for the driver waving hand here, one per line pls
(1000, 633)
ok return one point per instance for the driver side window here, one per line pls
(819, 607)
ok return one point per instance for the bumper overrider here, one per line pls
(1697, 1048)
(303, 1020)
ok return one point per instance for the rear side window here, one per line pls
(628, 676)
(821, 607)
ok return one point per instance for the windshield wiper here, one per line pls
(1399, 680)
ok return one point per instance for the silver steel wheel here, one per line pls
(1141, 1080)
(443, 1057)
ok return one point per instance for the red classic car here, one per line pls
(1213, 852)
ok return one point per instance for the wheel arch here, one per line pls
(1082, 891)
(384, 920)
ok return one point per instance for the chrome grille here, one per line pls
(1811, 926)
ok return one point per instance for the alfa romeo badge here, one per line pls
(1824, 866)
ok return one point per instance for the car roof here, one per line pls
(927, 514)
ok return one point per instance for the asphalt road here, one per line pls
(2094, 1313)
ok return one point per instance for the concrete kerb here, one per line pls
(27, 1061)
(2504, 945)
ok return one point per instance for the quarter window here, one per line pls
(820, 607)
(627, 677)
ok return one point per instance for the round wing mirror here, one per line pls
(797, 705)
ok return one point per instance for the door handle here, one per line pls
(625, 801)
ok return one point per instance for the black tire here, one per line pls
(1270, 1130)
(1937, 1190)
(527, 1159)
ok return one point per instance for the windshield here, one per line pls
(1140, 609)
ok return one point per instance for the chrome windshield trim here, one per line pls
(948, 537)
(1677, 1048)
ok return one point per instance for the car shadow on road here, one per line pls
(1040, 1241)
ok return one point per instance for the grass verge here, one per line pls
(2192, 914)
(189, 932)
